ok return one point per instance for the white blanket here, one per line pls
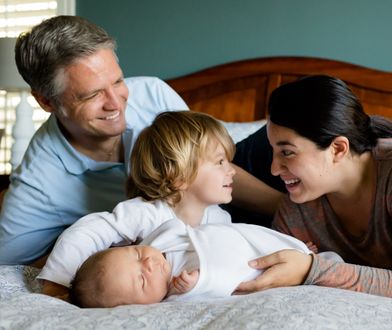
(302, 307)
(220, 251)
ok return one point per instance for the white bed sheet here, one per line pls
(302, 307)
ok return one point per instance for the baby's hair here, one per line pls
(88, 286)
(167, 153)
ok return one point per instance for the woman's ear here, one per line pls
(340, 148)
(43, 102)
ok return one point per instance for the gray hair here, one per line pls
(43, 53)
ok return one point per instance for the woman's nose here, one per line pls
(276, 166)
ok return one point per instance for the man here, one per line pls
(78, 161)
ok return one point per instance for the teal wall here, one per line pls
(169, 38)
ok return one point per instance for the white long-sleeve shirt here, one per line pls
(130, 221)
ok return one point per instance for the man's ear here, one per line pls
(340, 147)
(43, 102)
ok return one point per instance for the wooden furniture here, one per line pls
(239, 91)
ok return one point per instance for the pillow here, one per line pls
(239, 131)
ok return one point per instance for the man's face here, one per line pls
(94, 99)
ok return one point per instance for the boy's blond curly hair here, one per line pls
(167, 153)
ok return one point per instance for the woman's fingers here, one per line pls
(282, 268)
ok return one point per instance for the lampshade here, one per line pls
(10, 79)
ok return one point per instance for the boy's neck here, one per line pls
(189, 213)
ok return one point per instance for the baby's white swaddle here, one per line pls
(220, 251)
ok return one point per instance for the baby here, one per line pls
(179, 263)
(134, 274)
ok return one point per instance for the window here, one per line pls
(17, 16)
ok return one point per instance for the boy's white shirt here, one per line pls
(130, 221)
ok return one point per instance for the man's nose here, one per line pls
(113, 100)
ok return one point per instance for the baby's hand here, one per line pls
(183, 283)
(312, 247)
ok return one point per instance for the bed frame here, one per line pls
(239, 91)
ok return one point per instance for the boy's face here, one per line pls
(214, 180)
(138, 275)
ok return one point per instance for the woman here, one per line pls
(336, 163)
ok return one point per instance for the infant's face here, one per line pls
(139, 275)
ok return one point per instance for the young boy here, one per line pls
(181, 169)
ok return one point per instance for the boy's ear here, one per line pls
(340, 148)
(43, 102)
(182, 185)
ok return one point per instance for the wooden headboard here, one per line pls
(239, 91)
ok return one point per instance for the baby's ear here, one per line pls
(340, 148)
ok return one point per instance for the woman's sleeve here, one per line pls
(341, 275)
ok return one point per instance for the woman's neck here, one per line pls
(358, 176)
(353, 202)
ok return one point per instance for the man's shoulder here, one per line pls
(144, 82)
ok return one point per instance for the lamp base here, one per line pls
(22, 131)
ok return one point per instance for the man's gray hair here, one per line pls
(42, 54)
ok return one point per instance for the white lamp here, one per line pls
(11, 80)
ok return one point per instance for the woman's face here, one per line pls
(305, 169)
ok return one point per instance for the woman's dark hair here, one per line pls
(320, 108)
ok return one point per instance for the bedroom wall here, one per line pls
(176, 37)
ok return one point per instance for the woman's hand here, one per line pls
(282, 268)
(312, 247)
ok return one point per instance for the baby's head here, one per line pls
(167, 153)
(126, 275)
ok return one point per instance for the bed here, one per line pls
(236, 93)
